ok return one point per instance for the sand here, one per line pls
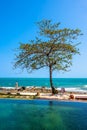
(42, 93)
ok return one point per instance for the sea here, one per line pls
(74, 84)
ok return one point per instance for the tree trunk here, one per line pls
(51, 82)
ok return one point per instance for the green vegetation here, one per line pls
(53, 48)
(16, 96)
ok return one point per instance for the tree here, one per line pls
(53, 49)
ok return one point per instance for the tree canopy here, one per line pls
(53, 48)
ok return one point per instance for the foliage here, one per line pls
(53, 48)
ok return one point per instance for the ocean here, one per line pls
(68, 83)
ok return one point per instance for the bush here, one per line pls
(18, 94)
(23, 88)
(8, 93)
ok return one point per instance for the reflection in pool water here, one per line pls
(42, 115)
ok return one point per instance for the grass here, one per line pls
(17, 96)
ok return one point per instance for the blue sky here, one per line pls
(17, 24)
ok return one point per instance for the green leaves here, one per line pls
(54, 47)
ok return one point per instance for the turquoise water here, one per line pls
(61, 82)
(42, 115)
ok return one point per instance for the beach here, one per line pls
(42, 93)
(39, 88)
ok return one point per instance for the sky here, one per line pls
(18, 24)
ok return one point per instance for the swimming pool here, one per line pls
(42, 115)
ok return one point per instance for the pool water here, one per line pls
(42, 115)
